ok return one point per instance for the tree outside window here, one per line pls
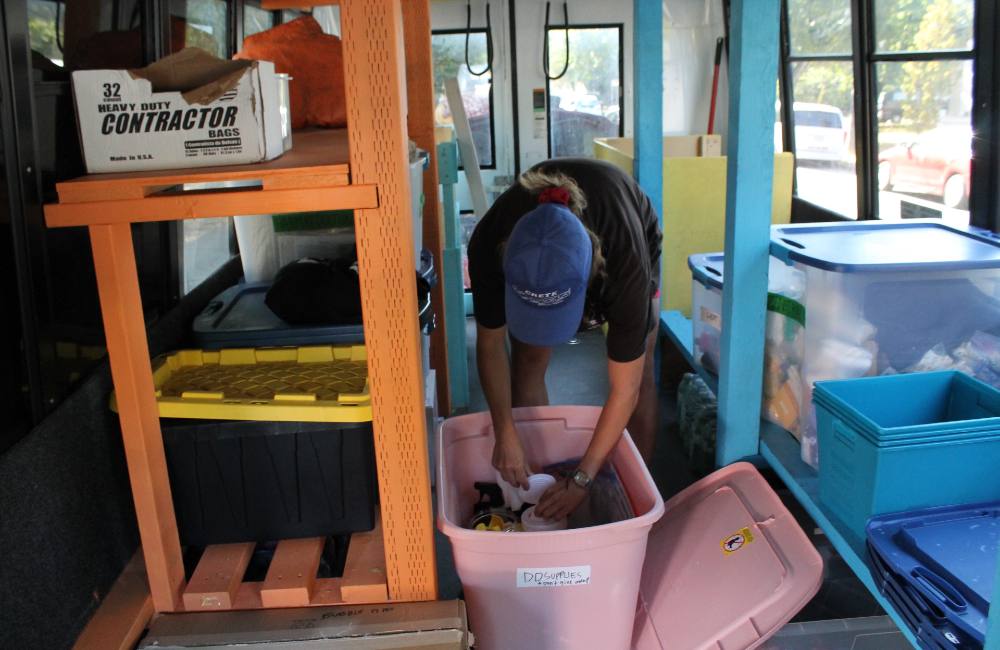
(921, 66)
(448, 53)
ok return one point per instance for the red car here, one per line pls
(936, 163)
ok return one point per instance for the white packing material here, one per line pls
(258, 247)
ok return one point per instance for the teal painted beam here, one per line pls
(753, 69)
(647, 57)
(452, 276)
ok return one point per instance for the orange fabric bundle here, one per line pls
(316, 63)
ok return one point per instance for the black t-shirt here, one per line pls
(620, 214)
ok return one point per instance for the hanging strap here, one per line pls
(545, 43)
(489, 40)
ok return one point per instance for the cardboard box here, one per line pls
(710, 145)
(440, 625)
(190, 109)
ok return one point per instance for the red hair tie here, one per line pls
(554, 195)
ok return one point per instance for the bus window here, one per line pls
(585, 101)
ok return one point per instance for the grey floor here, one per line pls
(578, 375)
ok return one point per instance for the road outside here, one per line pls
(834, 187)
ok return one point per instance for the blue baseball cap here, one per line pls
(546, 266)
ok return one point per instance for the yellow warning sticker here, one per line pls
(736, 541)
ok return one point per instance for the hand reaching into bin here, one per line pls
(560, 500)
(508, 458)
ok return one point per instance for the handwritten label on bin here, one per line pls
(560, 576)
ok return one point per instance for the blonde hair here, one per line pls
(537, 180)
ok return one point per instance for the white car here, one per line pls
(821, 133)
(588, 104)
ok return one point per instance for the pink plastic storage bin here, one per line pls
(570, 589)
(727, 566)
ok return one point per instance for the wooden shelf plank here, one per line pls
(291, 578)
(320, 151)
(326, 592)
(123, 614)
(198, 205)
(364, 572)
(218, 577)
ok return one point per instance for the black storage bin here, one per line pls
(243, 481)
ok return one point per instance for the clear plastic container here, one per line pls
(892, 297)
(784, 336)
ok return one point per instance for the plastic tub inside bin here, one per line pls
(554, 590)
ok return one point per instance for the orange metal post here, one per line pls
(420, 120)
(128, 351)
(376, 114)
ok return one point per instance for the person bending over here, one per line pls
(574, 244)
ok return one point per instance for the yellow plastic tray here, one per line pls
(306, 384)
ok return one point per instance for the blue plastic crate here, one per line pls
(859, 478)
(945, 559)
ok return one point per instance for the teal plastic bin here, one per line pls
(901, 442)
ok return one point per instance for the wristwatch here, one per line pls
(581, 478)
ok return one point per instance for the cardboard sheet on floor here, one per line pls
(726, 567)
(437, 625)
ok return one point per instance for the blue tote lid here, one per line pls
(707, 269)
(963, 549)
(917, 245)
(948, 553)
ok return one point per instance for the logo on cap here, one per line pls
(547, 299)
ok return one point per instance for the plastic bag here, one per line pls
(315, 62)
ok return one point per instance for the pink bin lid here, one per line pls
(726, 567)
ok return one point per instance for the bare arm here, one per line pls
(493, 365)
(625, 380)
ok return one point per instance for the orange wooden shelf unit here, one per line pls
(364, 168)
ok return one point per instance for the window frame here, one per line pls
(493, 135)
(239, 18)
(621, 77)
(175, 236)
(984, 197)
(158, 244)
